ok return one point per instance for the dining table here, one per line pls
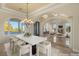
(33, 40)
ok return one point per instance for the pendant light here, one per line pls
(27, 20)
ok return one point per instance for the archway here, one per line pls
(60, 28)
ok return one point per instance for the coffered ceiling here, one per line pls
(22, 7)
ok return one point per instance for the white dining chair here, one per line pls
(23, 47)
(7, 48)
(44, 48)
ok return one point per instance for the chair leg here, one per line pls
(37, 52)
(30, 50)
(19, 52)
(49, 51)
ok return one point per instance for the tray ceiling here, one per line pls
(22, 7)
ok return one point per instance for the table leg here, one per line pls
(34, 49)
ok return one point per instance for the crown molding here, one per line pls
(47, 8)
(12, 12)
(44, 7)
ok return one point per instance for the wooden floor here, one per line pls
(63, 49)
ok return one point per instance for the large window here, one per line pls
(13, 26)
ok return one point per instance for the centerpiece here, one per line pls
(27, 34)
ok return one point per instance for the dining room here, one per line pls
(38, 29)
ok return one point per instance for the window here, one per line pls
(13, 26)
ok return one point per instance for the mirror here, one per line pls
(68, 27)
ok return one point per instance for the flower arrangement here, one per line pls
(27, 34)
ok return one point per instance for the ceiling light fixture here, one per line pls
(27, 20)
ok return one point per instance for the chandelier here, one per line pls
(27, 20)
